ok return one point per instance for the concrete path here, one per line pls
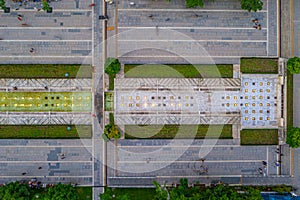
(43, 160)
(172, 32)
(296, 93)
(169, 159)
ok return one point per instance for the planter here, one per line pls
(7, 10)
(49, 10)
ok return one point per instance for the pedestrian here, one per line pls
(259, 27)
(32, 50)
(264, 162)
(255, 20)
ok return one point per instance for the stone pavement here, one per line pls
(286, 28)
(27, 156)
(296, 97)
(224, 36)
(163, 160)
(53, 85)
(44, 118)
(296, 28)
(63, 36)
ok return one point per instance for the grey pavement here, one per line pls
(296, 96)
(296, 180)
(168, 159)
(296, 28)
(53, 85)
(286, 28)
(99, 146)
(179, 4)
(224, 36)
(27, 156)
(63, 36)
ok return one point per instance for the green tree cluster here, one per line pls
(45, 5)
(2, 4)
(293, 65)
(293, 137)
(220, 192)
(184, 192)
(111, 130)
(20, 191)
(250, 5)
(112, 66)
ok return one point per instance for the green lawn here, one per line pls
(46, 101)
(290, 99)
(136, 193)
(85, 193)
(109, 101)
(259, 137)
(45, 71)
(178, 131)
(44, 131)
(111, 83)
(178, 71)
(259, 65)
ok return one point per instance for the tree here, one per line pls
(293, 65)
(112, 131)
(61, 192)
(2, 4)
(45, 5)
(193, 3)
(112, 66)
(252, 5)
(293, 137)
(15, 190)
(107, 195)
(161, 192)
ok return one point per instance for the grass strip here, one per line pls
(259, 137)
(259, 65)
(178, 71)
(290, 100)
(45, 131)
(135, 193)
(45, 71)
(178, 131)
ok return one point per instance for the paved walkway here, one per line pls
(296, 28)
(42, 159)
(50, 85)
(148, 160)
(296, 97)
(170, 33)
(63, 36)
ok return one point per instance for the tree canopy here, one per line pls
(2, 4)
(219, 192)
(112, 66)
(252, 5)
(112, 131)
(61, 192)
(293, 65)
(15, 190)
(293, 137)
